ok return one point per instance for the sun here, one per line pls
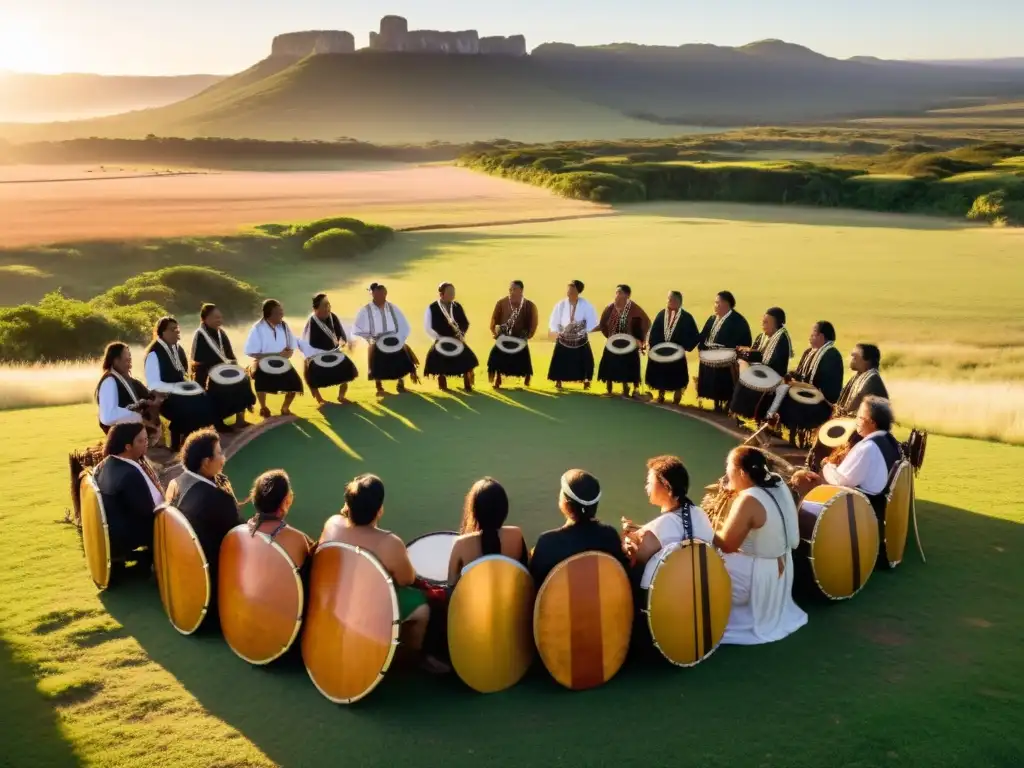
(24, 47)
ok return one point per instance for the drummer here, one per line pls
(623, 316)
(166, 365)
(725, 329)
(211, 347)
(514, 316)
(772, 347)
(673, 325)
(356, 524)
(821, 366)
(271, 336)
(379, 318)
(325, 333)
(571, 322)
(446, 319)
(483, 531)
(122, 398)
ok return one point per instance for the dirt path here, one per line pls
(172, 205)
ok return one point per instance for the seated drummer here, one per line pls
(668, 484)
(582, 532)
(870, 461)
(357, 525)
(203, 494)
(123, 398)
(483, 531)
(129, 488)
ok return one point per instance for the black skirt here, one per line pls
(516, 365)
(716, 383)
(571, 363)
(390, 366)
(667, 377)
(318, 377)
(277, 383)
(229, 399)
(794, 415)
(189, 413)
(440, 365)
(619, 369)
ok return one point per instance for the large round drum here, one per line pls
(717, 358)
(182, 572)
(430, 554)
(583, 619)
(897, 514)
(839, 538)
(754, 391)
(95, 532)
(259, 592)
(688, 602)
(351, 629)
(489, 632)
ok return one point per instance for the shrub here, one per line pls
(334, 243)
(182, 290)
(305, 231)
(1004, 206)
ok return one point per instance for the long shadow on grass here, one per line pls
(30, 723)
(923, 652)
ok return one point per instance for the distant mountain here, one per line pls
(1013, 62)
(34, 98)
(561, 91)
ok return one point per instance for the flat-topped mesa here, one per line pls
(514, 45)
(395, 36)
(302, 44)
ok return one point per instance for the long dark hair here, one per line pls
(584, 486)
(755, 464)
(485, 510)
(671, 471)
(113, 351)
(268, 494)
(120, 436)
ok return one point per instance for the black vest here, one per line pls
(891, 454)
(124, 398)
(319, 339)
(205, 354)
(439, 323)
(168, 373)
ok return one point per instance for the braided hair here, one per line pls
(672, 472)
(268, 494)
(755, 464)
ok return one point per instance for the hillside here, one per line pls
(28, 97)
(560, 92)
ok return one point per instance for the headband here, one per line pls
(568, 492)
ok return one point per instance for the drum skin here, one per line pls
(688, 603)
(351, 627)
(897, 513)
(842, 539)
(489, 632)
(259, 593)
(95, 533)
(182, 573)
(430, 554)
(583, 620)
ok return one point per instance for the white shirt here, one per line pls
(373, 321)
(863, 468)
(158, 498)
(153, 380)
(668, 527)
(585, 313)
(110, 412)
(266, 340)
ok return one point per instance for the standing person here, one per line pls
(572, 321)
(724, 329)
(516, 317)
(673, 325)
(271, 337)
(623, 316)
(212, 347)
(325, 333)
(380, 318)
(122, 398)
(757, 537)
(446, 319)
(166, 366)
(772, 347)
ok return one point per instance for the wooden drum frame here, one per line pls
(847, 518)
(95, 532)
(182, 571)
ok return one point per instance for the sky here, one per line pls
(154, 37)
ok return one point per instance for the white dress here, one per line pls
(668, 527)
(763, 609)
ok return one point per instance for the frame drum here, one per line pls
(717, 358)
(95, 532)
(260, 597)
(351, 629)
(430, 554)
(489, 637)
(666, 352)
(182, 572)
(227, 374)
(389, 343)
(510, 345)
(688, 602)
(449, 347)
(897, 514)
(583, 620)
(275, 364)
(330, 359)
(841, 541)
(621, 344)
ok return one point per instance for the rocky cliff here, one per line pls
(302, 44)
(394, 35)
